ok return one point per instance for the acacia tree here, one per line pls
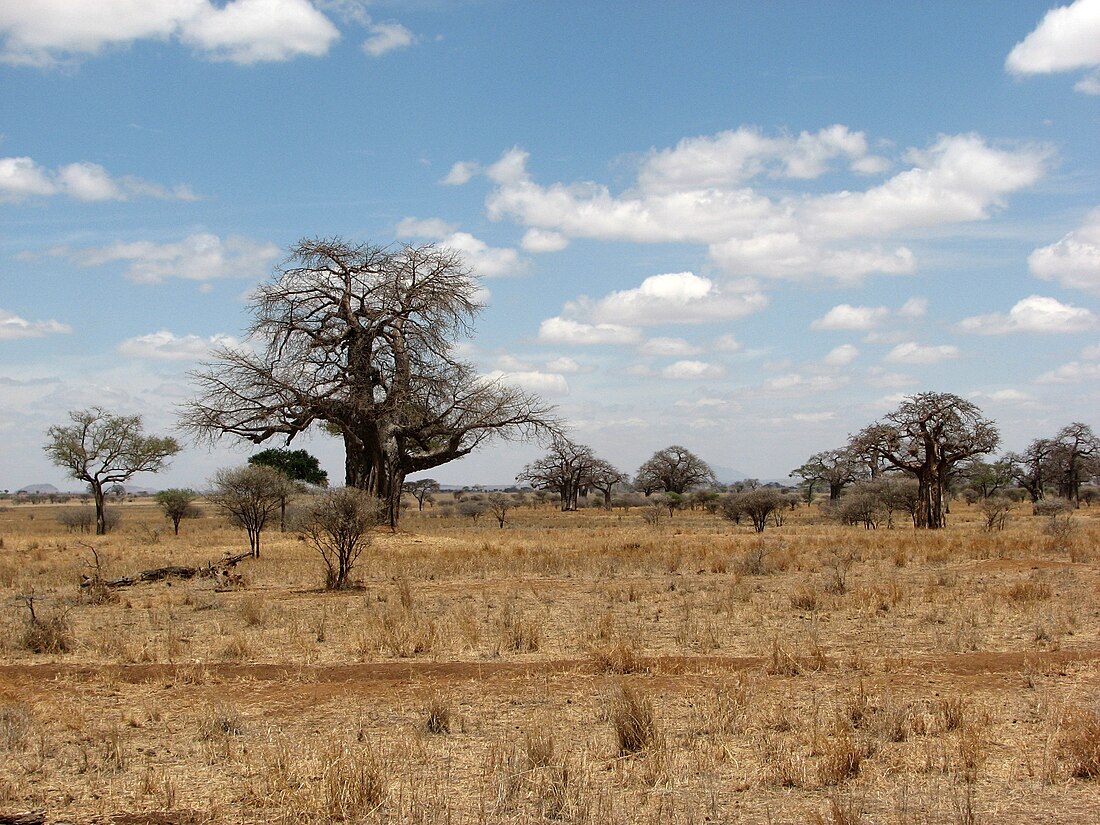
(926, 436)
(248, 496)
(836, 468)
(360, 340)
(104, 449)
(177, 505)
(674, 469)
(564, 470)
(421, 489)
(337, 523)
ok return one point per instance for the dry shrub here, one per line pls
(753, 562)
(781, 662)
(846, 811)
(354, 782)
(723, 712)
(237, 649)
(1029, 591)
(951, 711)
(49, 634)
(254, 610)
(552, 787)
(620, 656)
(781, 766)
(631, 717)
(841, 757)
(805, 597)
(438, 715)
(972, 750)
(518, 633)
(1078, 742)
(540, 747)
(15, 727)
(404, 632)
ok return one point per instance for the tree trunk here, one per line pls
(923, 515)
(100, 509)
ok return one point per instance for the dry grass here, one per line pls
(571, 667)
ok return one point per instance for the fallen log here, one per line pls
(28, 818)
(220, 570)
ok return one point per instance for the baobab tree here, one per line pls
(926, 436)
(674, 469)
(359, 340)
(603, 476)
(1074, 457)
(564, 470)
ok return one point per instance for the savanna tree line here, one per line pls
(361, 342)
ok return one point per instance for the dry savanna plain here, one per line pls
(586, 667)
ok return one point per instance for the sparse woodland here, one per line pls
(590, 667)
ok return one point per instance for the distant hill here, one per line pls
(38, 489)
(728, 475)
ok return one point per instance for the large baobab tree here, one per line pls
(359, 340)
(926, 436)
(674, 469)
(1074, 458)
(564, 470)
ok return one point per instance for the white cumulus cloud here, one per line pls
(484, 260)
(198, 257)
(1035, 313)
(713, 191)
(434, 228)
(566, 331)
(691, 370)
(46, 32)
(841, 356)
(12, 327)
(669, 347)
(461, 173)
(1071, 373)
(387, 37)
(22, 178)
(167, 346)
(1074, 261)
(543, 383)
(1066, 39)
(913, 353)
(539, 240)
(671, 298)
(848, 317)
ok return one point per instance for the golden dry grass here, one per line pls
(814, 673)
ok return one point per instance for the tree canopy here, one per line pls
(297, 465)
(102, 449)
(569, 469)
(674, 469)
(926, 436)
(360, 339)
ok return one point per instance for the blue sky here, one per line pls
(748, 228)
